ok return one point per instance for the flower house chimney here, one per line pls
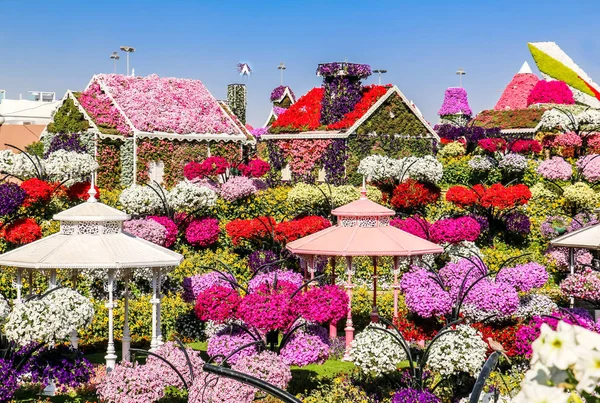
(237, 100)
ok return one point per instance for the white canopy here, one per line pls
(586, 238)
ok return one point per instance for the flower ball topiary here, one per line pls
(203, 232)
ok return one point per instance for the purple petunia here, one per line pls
(11, 198)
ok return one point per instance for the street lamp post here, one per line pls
(281, 67)
(115, 56)
(460, 72)
(379, 73)
(128, 50)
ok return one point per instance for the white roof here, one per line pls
(91, 211)
(525, 69)
(586, 238)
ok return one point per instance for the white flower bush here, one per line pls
(554, 118)
(458, 251)
(188, 197)
(64, 165)
(50, 319)
(18, 165)
(424, 169)
(482, 163)
(376, 352)
(140, 200)
(461, 351)
(513, 163)
(535, 305)
(4, 309)
(379, 167)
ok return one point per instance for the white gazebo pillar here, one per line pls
(572, 269)
(52, 282)
(349, 328)
(111, 357)
(159, 309)
(30, 292)
(126, 340)
(396, 287)
(154, 301)
(19, 286)
(74, 339)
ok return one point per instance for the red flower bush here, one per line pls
(492, 145)
(324, 304)
(504, 335)
(38, 191)
(411, 194)
(370, 95)
(22, 231)
(269, 307)
(193, 170)
(496, 196)
(203, 232)
(304, 115)
(462, 196)
(289, 231)
(550, 92)
(217, 303)
(79, 191)
(250, 230)
(255, 168)
(414, 328)
(525, 147)
(213, 166)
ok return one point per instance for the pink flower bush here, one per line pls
(213, 389)
(131, 383)
(310, 346)
(584, 285)
(323, 304)
(455, 230)
(303, 154)
(569, 140)
(267, 366)
(203, 232)
(175, 356)
(455, 102)
(423, 295)
(524, 277)
(516, 92)
(101, 109)
(555, 168)
(551, 92)
(268, 278)
(269, 307)
(590, 167)
(237, 187)
(170, 227)
(192, 286)
(149, 230)
(217, 303)
(226, 342)
(560, 257)
(171, 105)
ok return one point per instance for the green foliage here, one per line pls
(456, 170)
(68, 119)
(269, 202)
(340, 390)
(109, 161)
(362, 305)
(36, 148)
(509, 119)
(236, 96)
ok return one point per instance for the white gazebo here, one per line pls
(91, 238)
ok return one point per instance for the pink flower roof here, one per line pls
(516, 92)
(165, 104)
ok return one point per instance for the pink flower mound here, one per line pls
(226, 342)
(423, 295)
(100, 107)
(310, 346)
(267, 366)
(584, 285)
(415, 225)
(516, 92)
(569, 139)
(170, 105)
(175, 356)
(268, 279)
(149, 230)
(217, 303)
(219, 389)
(555, 168)
(323, 304)
(269, 308)
(493, 297)
(203, 232)
(453, 274)
(238, 187)
(454, 230)
(590, 167)
(524, 277)
(551, 92)
(131, 383)
(192, 286)
(170, 226)
(455, 102)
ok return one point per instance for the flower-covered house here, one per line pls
(327, 131)
(159, 122)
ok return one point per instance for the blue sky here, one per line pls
(54, 46)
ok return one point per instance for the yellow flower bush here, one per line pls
(581, 196)
(453, 149)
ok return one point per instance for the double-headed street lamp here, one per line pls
(379, 72)
(115, 56)
(128, 50)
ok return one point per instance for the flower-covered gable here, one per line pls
(455, 102)
(161, 105)
(517, 91)
(510, 119)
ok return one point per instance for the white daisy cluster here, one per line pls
(188, 197)
(460, 351)
(376, 352)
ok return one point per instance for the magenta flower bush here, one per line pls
(423, 295)
(170, 227)
(167, 104)
(550, 92)
(268, 278)
(192, 286)
(555, 168)
(415, 225)
(237, 187)
(203, 232)
(306, 346)
(329, 303)
(217, 303)
(589, 166)
(455, 102)
(584, 285)
(524, 277)
(226, 342)
(455, 230)
(269, 307)
(149, 230)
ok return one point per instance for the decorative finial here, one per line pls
(92, 191)
(363, 191)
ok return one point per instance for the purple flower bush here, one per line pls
(582, 220)
(259, 131)
(524, 277)
(291, 277)
(310, 346)
(517, 223)
(278, 111)
(455, 102)
(409, 395)
(492, 298)
(551, 226)
(203, 232)
(67, 142)
(278, 92)
(238, 187)
(259, 259)
(555, 168)
(149, 230)
(423, 295)
(192, 286)
(12, 197)
(590, 167)
(10, 381)
(228, 340)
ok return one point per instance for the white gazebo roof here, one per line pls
(91, 237)
(586, 238)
